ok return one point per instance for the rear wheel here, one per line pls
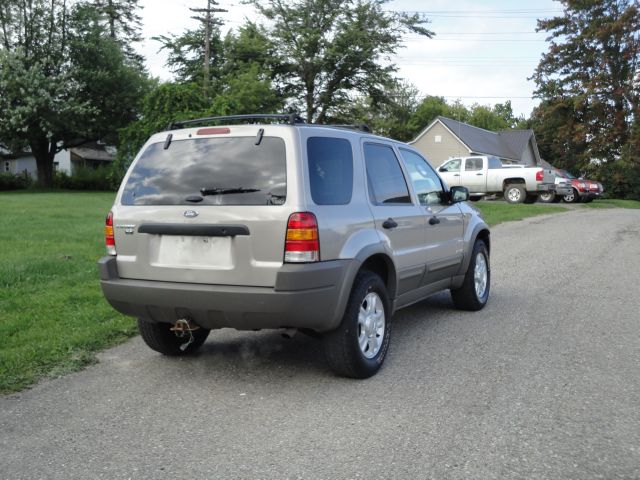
(475, 198)
(547, 197)
(515, 193)
(530, 198)
(573, 197)
(358, 347)
(160, 337)
(474, 292)
(557, 199)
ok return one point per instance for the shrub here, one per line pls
(85, 178)
(9, 181)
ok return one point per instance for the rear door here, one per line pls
(209, 209)
(400, 222)
(473, 174)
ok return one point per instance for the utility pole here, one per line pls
(209, 21)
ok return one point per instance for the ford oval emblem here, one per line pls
(190, 214)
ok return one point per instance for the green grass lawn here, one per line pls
(496, 212)
(52, 312)
(613, 203)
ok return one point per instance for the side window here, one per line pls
(451, 166)
(425, 181)
(473, 164)
(384, 177)
(330, 170)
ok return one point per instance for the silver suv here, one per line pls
(327, 230)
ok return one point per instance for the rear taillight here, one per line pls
(539, 175)
(109, 239)
(302, 244)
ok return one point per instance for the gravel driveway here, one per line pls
(543, 383)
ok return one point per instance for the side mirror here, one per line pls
(442, 169)
(459, 194)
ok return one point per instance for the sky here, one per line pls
(482, 52)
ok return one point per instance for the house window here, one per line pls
(7, 167)
(438, 138)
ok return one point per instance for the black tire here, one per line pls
(515, 193)
(547, 197)
(160, 338)
(475, 198)
(342, 347)
(466, 297)
(557, 199)
(530, 198)
(573, 197)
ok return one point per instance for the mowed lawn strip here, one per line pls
(495, 212)
(53, 316)
(613, 203)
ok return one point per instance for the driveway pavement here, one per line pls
(544, 383)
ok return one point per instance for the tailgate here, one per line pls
(205, 210)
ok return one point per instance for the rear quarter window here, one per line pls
(330, 170)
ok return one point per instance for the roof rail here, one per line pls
(290, 118)
(361, 127)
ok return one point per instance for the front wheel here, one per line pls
(474, 292)
(358, 347)
(160, 337)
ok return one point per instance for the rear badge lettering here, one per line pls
(190, 214)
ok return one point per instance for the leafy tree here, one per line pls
(123, 24)
(590, 73)
(331, 49)
(164, 104)
(63, 80)
(388, 116)
(186, 52)
(498, 117)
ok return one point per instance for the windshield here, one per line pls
(210, 171)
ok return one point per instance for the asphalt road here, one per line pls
(543, 383)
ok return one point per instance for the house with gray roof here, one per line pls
(445, 138)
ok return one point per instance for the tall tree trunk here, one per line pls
(44, 152)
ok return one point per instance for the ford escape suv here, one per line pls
(323, 229)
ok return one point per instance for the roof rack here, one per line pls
(290, 118)
(361, 127)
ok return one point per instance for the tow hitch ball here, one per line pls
(184, 328)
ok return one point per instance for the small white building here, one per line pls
(92, 155)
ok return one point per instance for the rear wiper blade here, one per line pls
(223, 191)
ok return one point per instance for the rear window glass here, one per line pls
(330, 170)
(221, 171)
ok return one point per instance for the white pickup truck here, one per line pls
(485, 175)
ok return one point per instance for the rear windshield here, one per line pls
(210, 171)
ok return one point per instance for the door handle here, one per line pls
(479, 174)
(389, 223)
(456, 174)
(434, 221)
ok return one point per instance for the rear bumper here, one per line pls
(305, 296)
(546, 187)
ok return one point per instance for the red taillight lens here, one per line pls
(109, 239)
(302, 244)
(539, 175)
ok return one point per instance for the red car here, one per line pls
(583, 190)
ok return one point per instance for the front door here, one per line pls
(444, 225)
(473, 175)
